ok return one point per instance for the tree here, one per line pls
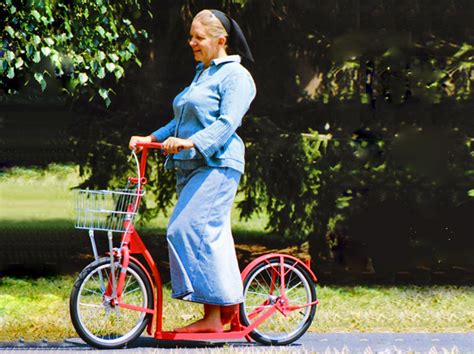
(82, 43)
(353, 99)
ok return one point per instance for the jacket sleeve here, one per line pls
(237, 92)
(166, 131)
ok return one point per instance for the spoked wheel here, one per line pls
(95, 317)
(290, 286)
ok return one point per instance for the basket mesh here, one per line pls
(105, 210)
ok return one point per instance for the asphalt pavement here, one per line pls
(326, 343)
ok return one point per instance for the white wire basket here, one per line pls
(105, 210)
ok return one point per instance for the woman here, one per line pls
(208, 157)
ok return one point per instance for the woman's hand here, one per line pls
(139, 139)
(174, 145)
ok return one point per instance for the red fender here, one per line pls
(138, 263)
(266, 257)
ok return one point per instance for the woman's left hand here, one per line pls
(174, 145)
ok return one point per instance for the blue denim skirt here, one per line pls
(203, 262)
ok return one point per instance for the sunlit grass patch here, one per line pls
(45, 194)
(395, 309)
(38, 194)
(35, 309)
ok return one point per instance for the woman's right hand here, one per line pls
(139, 139)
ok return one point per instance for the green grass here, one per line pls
(35, 194)
(398, 309)
(35, 309)
(45, 195)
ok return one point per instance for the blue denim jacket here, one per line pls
(208, 112)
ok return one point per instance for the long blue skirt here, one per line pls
(203, 262)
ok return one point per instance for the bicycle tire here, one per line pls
(278, 329)
(88, 294)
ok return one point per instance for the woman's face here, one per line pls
(205, 48)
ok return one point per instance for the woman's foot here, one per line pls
(228, 313)
(211, 323)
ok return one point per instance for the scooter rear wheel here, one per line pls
(263, 289)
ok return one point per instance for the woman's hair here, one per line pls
(212, 24)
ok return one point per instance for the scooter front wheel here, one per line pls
(95, 316)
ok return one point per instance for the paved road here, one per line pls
(310, 343)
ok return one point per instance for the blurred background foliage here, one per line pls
(360, 140)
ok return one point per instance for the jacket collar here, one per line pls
(218, 61)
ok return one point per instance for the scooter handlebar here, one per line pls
(150, 145)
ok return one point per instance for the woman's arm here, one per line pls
(165, 132)
(158, 135)
(171, 144)
(238, 91)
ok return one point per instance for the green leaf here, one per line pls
(104, 93)
(10, 73)
(113, 27)
(79, 59)
(109, 36)
(105, 96)
(48, 10)
(12, 9)
(3, 65)
(110, 66)
(40, 79)
(37, 57)
(126, 55)
(131, 48)
(19, 63)
(101, 73)
(30, 49)
(49, 41)
(9, 55)
(100, 55)
(36, 15)
(470, 193)
(94, 65)
(83, 78)
(36, 39)
(118, 72)
(73, 84)
(55, 58)
(139, 63)
(114, 57)
(100, 30)
(46, 51)
(10, 31)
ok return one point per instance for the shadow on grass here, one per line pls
(52, 247)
